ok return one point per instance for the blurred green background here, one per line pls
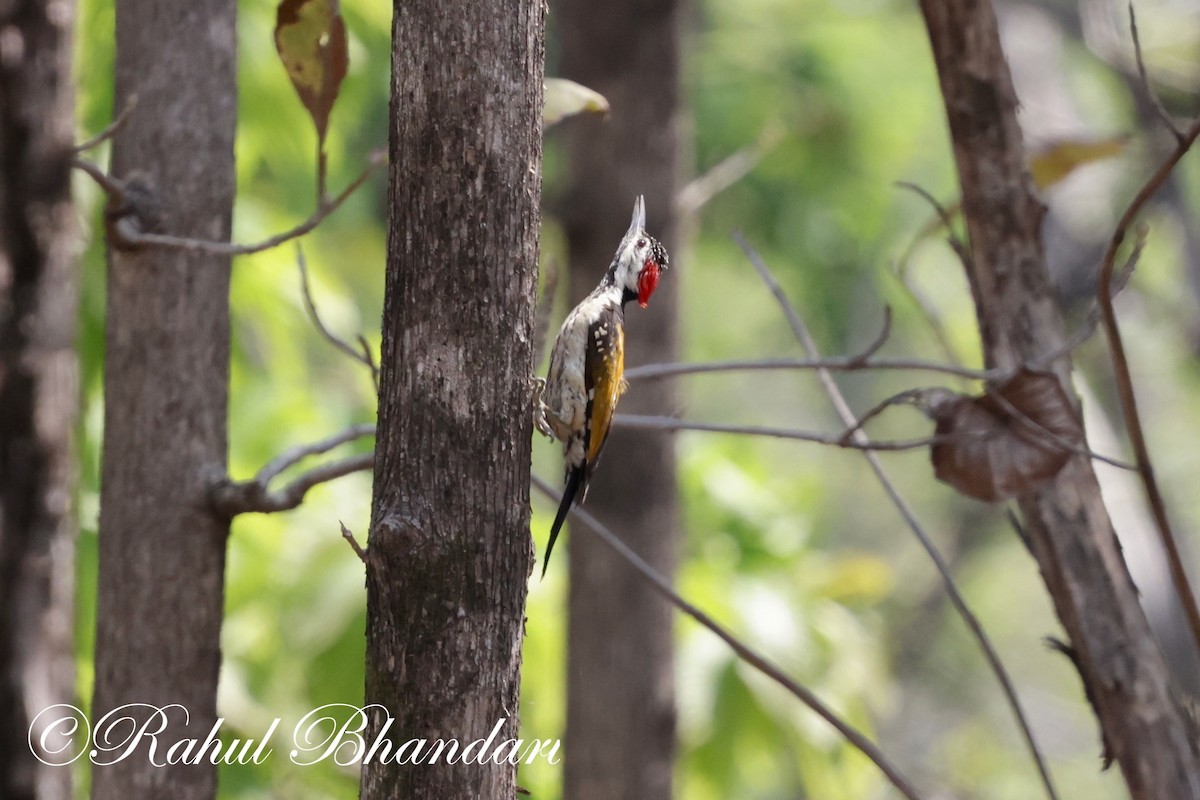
(792, 545)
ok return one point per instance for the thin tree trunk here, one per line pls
(1148, 731)
(162, 551)
(620, 735)
(38, 388)
(450, 553)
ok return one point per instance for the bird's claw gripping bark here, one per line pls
(540, 420)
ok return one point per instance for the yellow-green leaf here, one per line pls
(566, 98)
(311, 39)
(1055, 161)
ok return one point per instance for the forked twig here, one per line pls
(230, 497)
(843, 409)
(663, 423)
(131, 237)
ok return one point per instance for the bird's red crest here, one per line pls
(647, 281)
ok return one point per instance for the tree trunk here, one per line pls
(1147, 730)
(620, 735)
(162, 550)
(450, 553)
(38, 387)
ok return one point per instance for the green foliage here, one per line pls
(789, 544)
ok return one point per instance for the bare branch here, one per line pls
(743, 651)
(349, 537)
(230, 498)
(1124, 381)
(860, 438)
(947, 219)
(369, 359)
(727, 172)
(661, 423)
(112, 128)
(1151, 95)
(903, 268)
(114, 188)
(364, 357)
(132, 238)
(834, 363)
(908, 397)
(294, 455)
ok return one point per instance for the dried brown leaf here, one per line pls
(310, 37)
(1008, 441)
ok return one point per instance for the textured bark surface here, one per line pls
(38, 386)
(162, 551)
(620, 736)
(1150, 734)
(450, 555)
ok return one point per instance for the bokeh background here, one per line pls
(792, 545)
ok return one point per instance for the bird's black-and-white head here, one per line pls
(639, 260)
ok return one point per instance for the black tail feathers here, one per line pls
(574, 480)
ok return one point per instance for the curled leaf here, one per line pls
(310, 37)
(1007, 441)
(564, 98)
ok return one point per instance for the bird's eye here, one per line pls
(641, 244)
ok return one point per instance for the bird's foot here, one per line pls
(540, 419)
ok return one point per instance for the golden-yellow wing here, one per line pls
(604, 378)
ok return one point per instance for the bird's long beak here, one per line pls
(638, 222)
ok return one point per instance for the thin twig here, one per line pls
(112, 128)
(907, 397)
(294, 455)
(865, 361)
(947, 221)
(922, 398)
(743, 651)
(1155, 102)
(879, 341)
(349, 537)
(322, 166)
(835, 363)
(364, 356)
(369, 359)
(663, 423)
(843, 409)
(726, 172)
(132, 238)
(231, 498)
(111, 186)
(1124, 381)
(902, 271)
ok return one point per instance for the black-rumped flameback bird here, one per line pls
(587, 364)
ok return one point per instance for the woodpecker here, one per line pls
(587, 364)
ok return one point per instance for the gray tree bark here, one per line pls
(1146, 728)
(162, 550)
(38, 387)
(620, 735)
(450, 552)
